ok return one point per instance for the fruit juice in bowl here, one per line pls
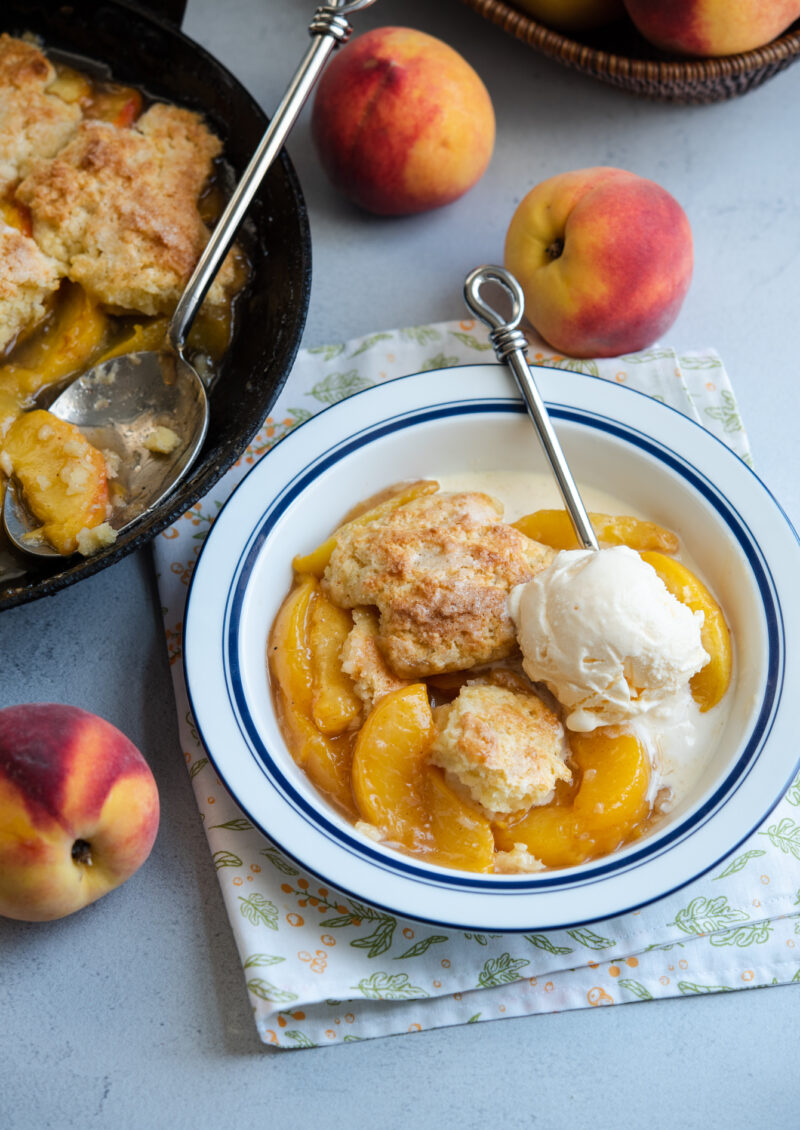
(467, 432)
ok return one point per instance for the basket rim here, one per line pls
(559, 46)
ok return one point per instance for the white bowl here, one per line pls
(467, 419)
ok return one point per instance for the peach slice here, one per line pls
(335, 705)
(615, 774)
(463, 837)
(288, 651)
(63, 478)
(326, 760)
(610, 803)
(388, 766)
(316, 562)
(551, 833)
(64, 345)
(144, 337)
(554, 528)
(712, 681)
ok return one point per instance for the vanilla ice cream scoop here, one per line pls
(605, 635)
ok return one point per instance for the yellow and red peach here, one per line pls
(78, 810)
(604, 258)
(712, 27)
(402, 122)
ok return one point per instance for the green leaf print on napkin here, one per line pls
(256, 960)
(226, 859)
(338, 386)
(381, 938)
(328, 352)
(370, 342)
(268, 992)
(440, 361)
(690, 987)
(277, 861)
(240, 824)
(501, 971)
(300, 1039)
(705, 916)
(573, 364)
(542, 942)
(785, 836)
(591, 940)
(196, 766)
(471, 342)
(699, 361)
(389, 987)
(727, 413)
(423, 946)
(755, 933)
(422, 335)
(635, 987)
(739, 863)
(259, 910)
(793, 795)
(646, 357)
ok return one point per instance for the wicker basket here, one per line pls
(618, 55)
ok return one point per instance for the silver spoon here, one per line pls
(510, 346)
(119, 404)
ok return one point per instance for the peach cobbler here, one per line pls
(105, 207)
(483, 694)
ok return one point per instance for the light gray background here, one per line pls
(133, 1013)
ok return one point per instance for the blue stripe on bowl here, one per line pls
(523, 885)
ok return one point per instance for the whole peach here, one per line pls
(78, 810)
(402, 123)
(712, 27)
(604, 258)
(573, 15)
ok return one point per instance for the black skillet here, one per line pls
(147, 50)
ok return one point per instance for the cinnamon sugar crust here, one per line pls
(27, 279)
(33, 123)
(117, 208)
(506, 749)
(439, 570)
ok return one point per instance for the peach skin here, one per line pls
(401, 122)
(712, 27)
(604, 258)
(78, 810)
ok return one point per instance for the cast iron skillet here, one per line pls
(147, 51)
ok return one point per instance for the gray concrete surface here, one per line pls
(133, 1013)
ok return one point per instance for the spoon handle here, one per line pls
(511, 347)
(328, 29)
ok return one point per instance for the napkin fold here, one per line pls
(322, 968)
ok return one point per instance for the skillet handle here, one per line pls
(171, 10)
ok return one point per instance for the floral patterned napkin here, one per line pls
(320, 967)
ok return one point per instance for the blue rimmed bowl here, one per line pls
(468, 419)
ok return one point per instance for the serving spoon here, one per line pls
(120, 403)
(511, 347)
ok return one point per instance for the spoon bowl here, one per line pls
(118, 406)
(107, 402)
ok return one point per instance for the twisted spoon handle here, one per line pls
(328, 29)
(511, 347)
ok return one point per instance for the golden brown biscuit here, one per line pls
(118, 208)
(27, 279)
(363, 662)
(439, 569)
(505, 749)
(33, 123)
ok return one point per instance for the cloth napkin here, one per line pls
(322, 968)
